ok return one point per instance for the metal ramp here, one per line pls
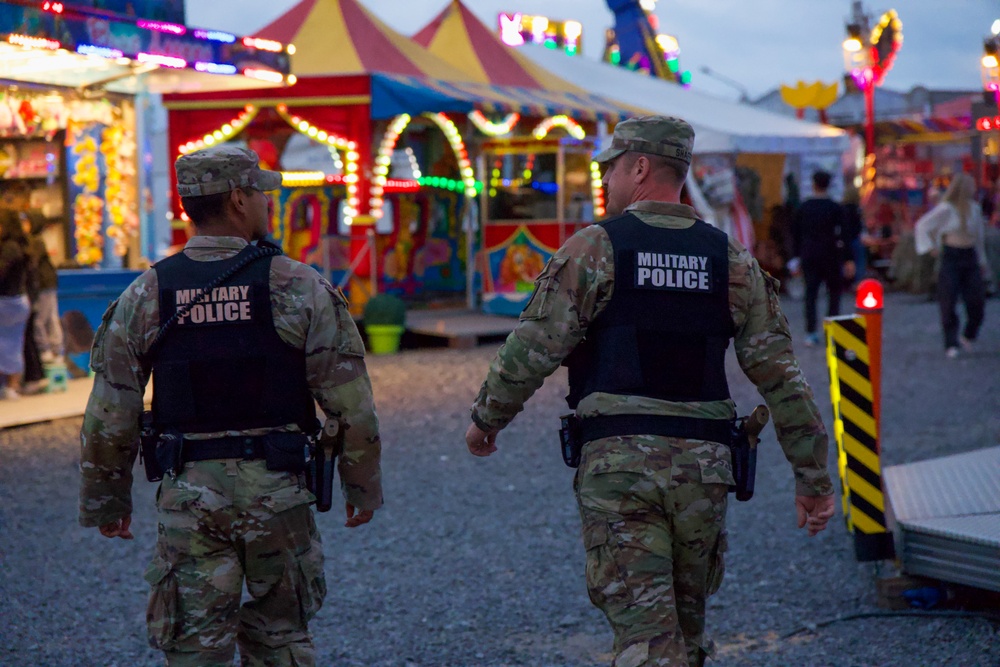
(945, 514)
(461, 328)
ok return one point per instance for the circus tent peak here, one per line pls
(457, 36)
(342, 37)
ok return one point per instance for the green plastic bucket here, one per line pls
(383, 338)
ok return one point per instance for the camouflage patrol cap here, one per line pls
(221, 169)
(656, 135)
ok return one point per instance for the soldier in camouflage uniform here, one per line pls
(652, 488)
(227, 517)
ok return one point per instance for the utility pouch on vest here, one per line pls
(743, 447)
(286, 452)
(147, 447)
(570, 439)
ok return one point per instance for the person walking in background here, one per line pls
(14, 304)
(641, 308)
(822, 251)
(954, 231)
(47, 328)
(34, 380)
(237, 371)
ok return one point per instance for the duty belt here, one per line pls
(689, 428)
(227, 447)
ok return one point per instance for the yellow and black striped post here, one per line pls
(853, 345)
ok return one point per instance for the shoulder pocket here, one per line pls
(348, 337)
(97, 350)
(539, 306)
(773, 285)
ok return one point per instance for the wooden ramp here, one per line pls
(461, 328)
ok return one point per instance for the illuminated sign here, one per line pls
(517, 29)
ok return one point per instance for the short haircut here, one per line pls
(821, 180)
(203, 210)
(677, 169)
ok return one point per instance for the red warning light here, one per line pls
(869, 295)
(54, 7)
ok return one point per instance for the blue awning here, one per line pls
(394, 94)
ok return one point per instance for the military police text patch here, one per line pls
(220, 305)
(684, 273)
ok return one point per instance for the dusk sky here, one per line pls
(758, 43)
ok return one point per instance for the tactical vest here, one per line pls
(222, 366)
(665, 331)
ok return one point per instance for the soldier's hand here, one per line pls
(119, 528)
(479, 441)
(362, 517)
(814, 512)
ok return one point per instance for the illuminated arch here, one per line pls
(574, 128)
(351, 156)
(388, 144)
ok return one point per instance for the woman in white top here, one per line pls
(954, 230)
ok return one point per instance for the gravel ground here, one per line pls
(478, 562)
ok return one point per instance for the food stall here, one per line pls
(77, 80)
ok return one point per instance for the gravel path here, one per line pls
(478, 562)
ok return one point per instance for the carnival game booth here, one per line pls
(72, 145)
(540, 185)
(399, 212)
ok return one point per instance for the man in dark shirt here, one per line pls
(819, 233)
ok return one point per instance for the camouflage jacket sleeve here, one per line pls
(764, 349)
(110, 433)
(571, 291)
(310, 313)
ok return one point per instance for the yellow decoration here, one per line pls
(816, 95)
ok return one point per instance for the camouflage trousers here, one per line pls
(653, 512)
(222, 523)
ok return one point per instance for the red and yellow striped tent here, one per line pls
(459, 38)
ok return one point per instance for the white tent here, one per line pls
(721, 126)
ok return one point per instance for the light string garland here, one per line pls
(491, 129)
(574, 129)
(226, 132)
(349, 148)
(597, 189)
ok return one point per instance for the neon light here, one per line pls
(215, 68)
(489, 128)
(34, 42)
(350, 152)
(571, 126)
(263, 44)
(215, 36)
(454, 138)
(161, 26)
(224, 133)
(510, 29)
(102, 51)
(298, 179)
(402, 185)
(165, 61)
(54, 7)
(446, 183)
(264, 75)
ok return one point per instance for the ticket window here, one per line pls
(543, 180)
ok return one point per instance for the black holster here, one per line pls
(148, 438)
(570, 439)
(744, 457)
